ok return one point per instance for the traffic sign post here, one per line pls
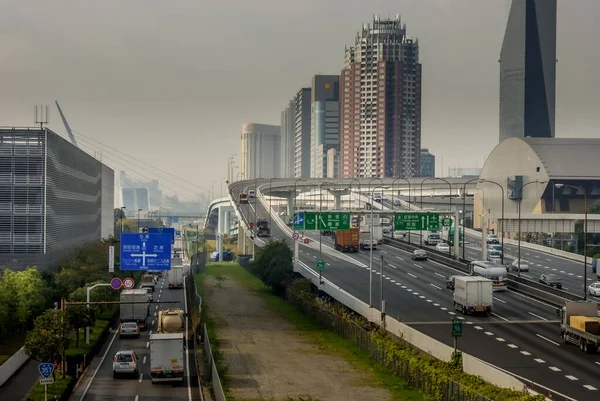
(128, 283)
(322, 221)
(46, 370)
(417, 221)
(295, 236)
(145, 252)
(111, 259)
(321, 265)
(173, 219)
(456, 331)
(116, 283)
(163, 230)
(446, 222)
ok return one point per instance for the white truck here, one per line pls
(175, 276)
(364, 238)
(473, 294)
(580, 325)
(167, 357)
(134, 307)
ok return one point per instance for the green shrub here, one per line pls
(56, 391)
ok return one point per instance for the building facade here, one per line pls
(464, 172)
(54, 197)
(302, 133)
(427, 164)
(380, 103)
(288, 141)
(333, 163)
(528, 70)
(260, 153)
(325, 122)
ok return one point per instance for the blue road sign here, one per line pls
(299, 221)
(116, 283)
(46, 369)
(174, 219)
(145, 251)
(163, 230)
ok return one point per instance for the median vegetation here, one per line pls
(438, 379)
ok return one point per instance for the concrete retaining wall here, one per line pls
(490, 374)
(14, 363)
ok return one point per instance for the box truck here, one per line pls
(134, 307)
(473, 294)
(167, 357)
(148, 281)
(175, 276)
(347, 240)
(580, 325)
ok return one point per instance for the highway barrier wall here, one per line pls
(211, 371)
(12, 364)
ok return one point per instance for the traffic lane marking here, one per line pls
(550, 341)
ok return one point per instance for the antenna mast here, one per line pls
(40, 115)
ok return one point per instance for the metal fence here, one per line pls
(211, 371)
(439, 388)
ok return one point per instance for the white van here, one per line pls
(433, 239)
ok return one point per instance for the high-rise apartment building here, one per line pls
(260, 151)
(288, 141)
(333, 163)
(380, 103)
(427, 164)
(528, 70)
(325, 122)
(302, 133)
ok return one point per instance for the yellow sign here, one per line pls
(327, 85)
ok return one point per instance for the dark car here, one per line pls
(450, 283)
(551, 280)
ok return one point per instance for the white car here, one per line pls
(524, 265)
(125, 362)
(594, 289)
(442, 247)
(493, 239)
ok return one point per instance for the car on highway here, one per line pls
(129, 329)
(515, 265)
(494, 256)
(594, 289)
(149, 294)
(399, 234)
(442, 247)
(450, 283)
(125, 362)
(419, 254)
(495, 247)
(493, 239)
(251, 194)
(551, 280)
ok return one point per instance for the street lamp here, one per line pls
(465, 213)
(519, 220)
(319, 226)
(482, 215)
(88, 290)
(270, 198)
(450, 207)
(371, 245)
(585, 229)
(393, 205)
(357, 198)
(481, 181)
(122, 217)
(229, 168)
(138, 220)
(294, 208)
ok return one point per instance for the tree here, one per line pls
(28, 295)
(274, 265)
(79, 315)
(47, 341)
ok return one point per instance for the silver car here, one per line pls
(419, 254)
(125, 362)
(129, 329)
(524, 265)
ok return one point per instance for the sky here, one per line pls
(167, 85)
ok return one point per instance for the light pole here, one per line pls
(255, 201)
(294, 207)
(483, 220)
(138, 220)
(394, 207)
(357, 198)
(502, 221)
(585, 229)
(88, 290)
(449, 196)
(371, 245)
(122, 217)
(229, 168)
(319, 226)
(465, 213)
(270, 198)
(519, 220)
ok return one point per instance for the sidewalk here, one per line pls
(17, 387)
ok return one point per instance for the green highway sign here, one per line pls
(456, 328)
(417, 221)
(446, 222)
(321, 265)
(322, 221)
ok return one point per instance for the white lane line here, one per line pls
(144, 361)
(571, 274)
(451, 313)
(535, 256)
(398, 257)
(538, 316)
(571, 377)
(422, 296)
(438, 274)
(550, 341)
(597, 363)
(393, 266)
(525, 353)
(554, 368)
(393, 281)
(526, 275)
(403, 287)
(328, 264)
(153, 323)
(419, 266)
(137, 397)
(579, 277)
(460, 318)
(435, 286)
(409, 289)
(500, 339)
(562, 271)
(587, 386)
(500, 317)
(141, 376)
(489, 333)
(538, 360)
(499, 300)
(382, 251)
(429, 300)
(412, 275)
(546, 267)
(444, 309)
(99, 366)
(513, 346)
(397, 283)
(147, 344)
(478, 327)
(548, 260)
(416, 293)
(436, 304)
(157, 305)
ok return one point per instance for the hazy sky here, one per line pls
(171, 81)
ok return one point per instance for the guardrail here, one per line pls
(12, 364)
(211, 371)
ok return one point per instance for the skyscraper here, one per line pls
(427, 164)
(380, 103)
(302, 133)
(288, 140)
(260, 151)
(528, 70)
(325, 122)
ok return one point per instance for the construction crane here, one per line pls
(73, 141)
